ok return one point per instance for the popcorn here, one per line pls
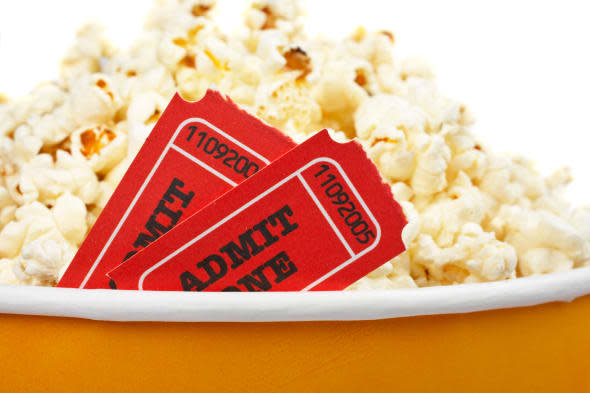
(26, 144)
(7, 121)
(81, 182)
(69, 214)
(5, 199)
(473, 215)
(467, 157)
(544, 260)
(268, 48)
(93, 100)
(476, 256)
(288, 106)
(432, 162)
(174, 15)
(388, 111)
(415, 67)
(101, 147)
(444, 217)
(580, 219)
(6, 215)
(424, 94)
(283, 15)
(42, 261)
(84, 56)
(297, 59)
(11, 239)
(527, 229)
(338, 94)
(394, 274)
(7, 276)
(171, 50)
(42, 179)
(45, 98)
(390, 152)
(35, 246)
(402, 192)
(53, 127)
(412, 229)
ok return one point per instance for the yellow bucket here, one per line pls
(542, 348)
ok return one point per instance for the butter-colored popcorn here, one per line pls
(5, 198)
(559, 179)
(415, 67)
(338, 94)
(389, 150)
(31, 222)
(445, 216)
(6, 215)
(69, 214)
(544, 260)
(83, 183)
(178, 15)
(580, 219)
(44, 180)
(53, 127)
(467, 155)
(34, 244)
(527, 229)
(269, 47)
(412, 229)
(93, 100)
(7, 121)
(84, 56)
(433, 157)
(7, 276)
(171, 50)
(42, 261)
(288, 106)
(101, 147)
(402, 192)
(476, 256)
(44, 98)
(388, 111)
(394, 274)
(424, 94)
(282, 15)
(26, 145)
(473, 215)
(11, 239)
(143, 112)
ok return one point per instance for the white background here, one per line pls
(523, 67)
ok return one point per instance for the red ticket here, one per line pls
(196, 152)
(318, 218)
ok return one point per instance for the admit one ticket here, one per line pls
(317, 218)
(195, 153)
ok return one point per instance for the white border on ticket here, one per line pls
(171, 145)
(297, 173)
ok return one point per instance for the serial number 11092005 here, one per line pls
(353, 218)
(220, 151)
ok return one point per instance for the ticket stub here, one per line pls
(196, 152)
(318, 218)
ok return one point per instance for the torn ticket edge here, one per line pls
(195, 153)
(318, 218)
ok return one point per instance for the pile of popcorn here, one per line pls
(473, 215)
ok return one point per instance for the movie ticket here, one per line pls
(318, 218)
(196, 152)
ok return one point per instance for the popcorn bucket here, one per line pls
(502, 336)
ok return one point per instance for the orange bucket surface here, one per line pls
(543, 348)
